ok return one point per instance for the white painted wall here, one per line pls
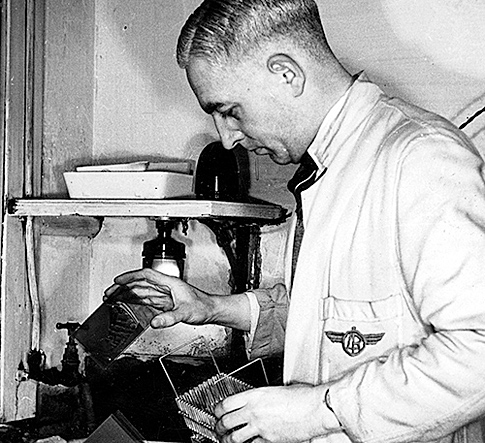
(430, 52)
(143, 106)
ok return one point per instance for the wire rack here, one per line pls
(197, 404)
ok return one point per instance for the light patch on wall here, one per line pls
(450, 32)
(143, 105)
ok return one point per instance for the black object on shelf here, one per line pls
(220, 174)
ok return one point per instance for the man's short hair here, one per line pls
(221, 31)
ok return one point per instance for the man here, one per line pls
(385, 335)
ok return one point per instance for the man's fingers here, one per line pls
(147, 275)
(136, 292)
(110, 290)
(164, 304)
(240, 435)
(157, 302)
(144, 290)
(231, 421)
(230, 404)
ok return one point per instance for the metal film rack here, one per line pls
(197, 404)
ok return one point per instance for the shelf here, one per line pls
(188, 208)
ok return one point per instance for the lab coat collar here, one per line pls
(346, 114)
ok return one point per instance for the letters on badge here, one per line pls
(353, 341)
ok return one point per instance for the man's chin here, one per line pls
(272, 156)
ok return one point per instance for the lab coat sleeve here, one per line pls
(428, 390)
(269, 335)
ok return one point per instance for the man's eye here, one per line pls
(232, 113)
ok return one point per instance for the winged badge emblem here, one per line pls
(353, 341)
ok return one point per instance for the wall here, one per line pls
(430, 52)
(114, 93)
(63, 268)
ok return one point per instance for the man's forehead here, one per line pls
(210, 84)
(201, 74)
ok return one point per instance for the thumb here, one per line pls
(165, 320)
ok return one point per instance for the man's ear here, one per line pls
(289, 70)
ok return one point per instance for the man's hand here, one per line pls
(283, 414)
(180, 302)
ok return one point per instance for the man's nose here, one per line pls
(230, 136)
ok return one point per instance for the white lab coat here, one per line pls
(388, 299)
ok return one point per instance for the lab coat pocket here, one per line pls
(358, 331)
